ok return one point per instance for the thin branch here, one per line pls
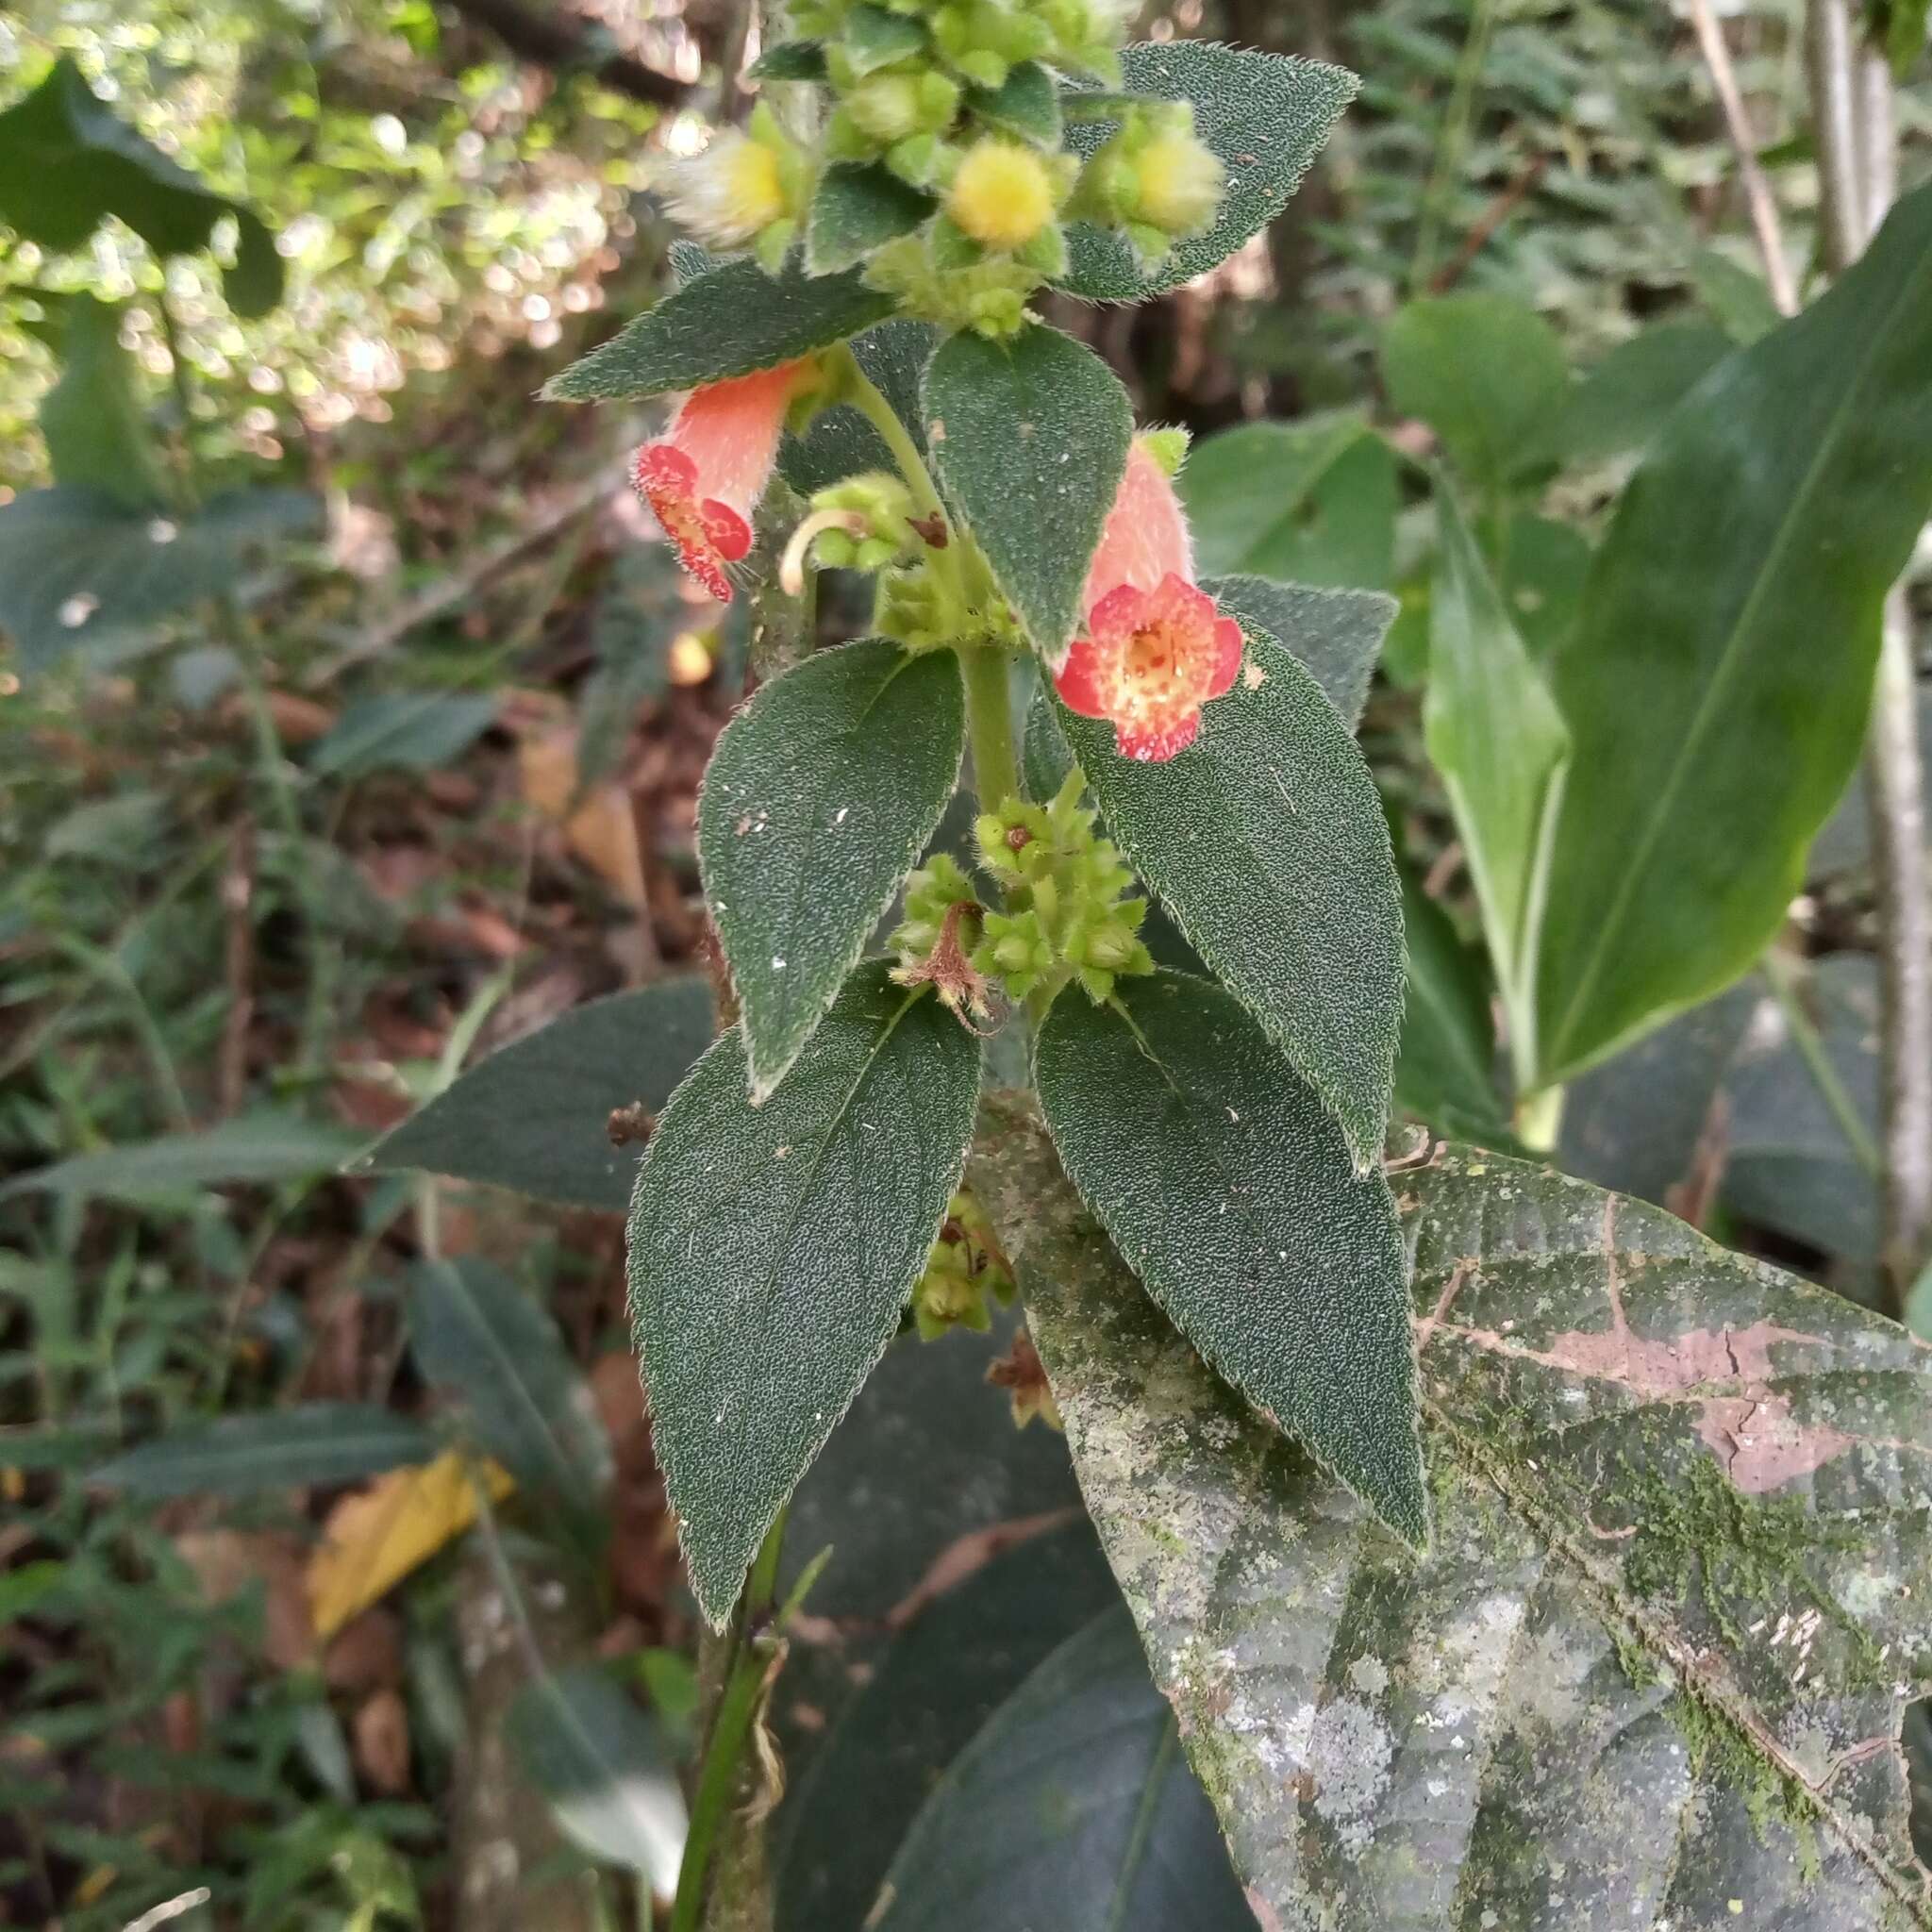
(1757, 194)
(549, 41)
(1493, 218)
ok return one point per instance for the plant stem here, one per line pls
(739, 1701)
(990, 724)
(1450, 143)
(1857, 162)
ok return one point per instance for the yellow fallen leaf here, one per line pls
(601, 827)
(374, 1538)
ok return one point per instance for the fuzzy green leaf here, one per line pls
(1485, 372)
(876, 37)
(1072, 1808)
(773, 1249)
(1336, 635)
(729, 320)
(314, 1444)
(1266, 115)
(817, 803)
(1026, 104)
(534, 1116)
(1494, 734)
(858, 206)
(1266, 842)
(789, 60)
(1718, 686)
(1030, 437)
(1229, 1191)
(1652, 1669)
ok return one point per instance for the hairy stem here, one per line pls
(989, 723)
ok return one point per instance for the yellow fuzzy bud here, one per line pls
(1002, 194)
(729, 193)
(1180, 181)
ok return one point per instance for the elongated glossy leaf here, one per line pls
(409, 731)
(938, 1682)
(1484, 371)
(1651, 1671)
(1300, 502)
(730, 320)
(1265, 115)
(1493, 732)
(258, 1148)
(859, 206)
(480, 1338)
(1266, 842)
(605, 1766)
(1446, 1073)
(1030, 437)
(817, 803)
(77, 566)
(1717, 688)
(535, 1115)
(67, 163)
(319, 1443)
(773, 1248)
(1074, 1807)
(1336, 634)
(1627, 398)
(1231, 1193)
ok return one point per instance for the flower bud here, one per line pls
(1180, 180)
(1002, 194)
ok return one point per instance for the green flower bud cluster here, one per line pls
(935, 938)
(1067, 915)
(963, 1269)
(874, 527)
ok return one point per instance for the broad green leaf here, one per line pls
(839, 442)
(67, 163)
(1300, 502)
(1030, 437)
(773, 1250)
(859, 206)
(91, 420)
(1718, 686)
(317, 1446)
(1493, 732)
(1737, 296)
(1027, 103)
(1654, 1664)
(789, 60)
(535, 1115)
(928, 1407)
(1543, 573)
(1446, 1072)
(818, 801)
(77, 566)
(254, 1148)
(409, 731)
(1074, 1807)
(1231, 1193)
(603, 1764)
(1265, 840)
(1265, 115)
(730, 320)
(1485, 372)
(876, 37)
(477, 1337)
(926, 1698)
(1336, 634)
(1625, 399)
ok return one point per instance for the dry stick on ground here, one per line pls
(1857, 161)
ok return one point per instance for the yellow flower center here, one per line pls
(752, 190)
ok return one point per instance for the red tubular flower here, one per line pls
(704, 476)
(1155, 648)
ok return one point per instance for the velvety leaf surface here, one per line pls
(730, 320)
(603, 1765)
(77, 566)
(858, 206)
(1074, 1807)
(1446, 1072)
(534, 1116)
(926, 1408)
(1231, 1193)
(316, 1443)
(839, 441)
(477, 1337)
(936, 1684)
(773, 1248)
(1336, 634)
(1718, 685)
(1493, 732)
(1264, 114)
(1030, 439)
(818, 801)
(1485, 373)
(1651, 1671)
(1265, 840)
(1027, 103)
